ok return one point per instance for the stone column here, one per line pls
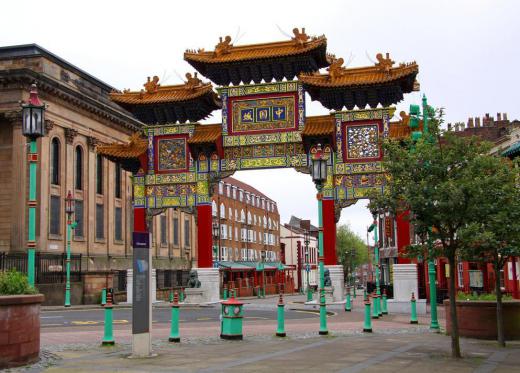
(209, 284)
(153, 290)
(337, 280)
(129, 285)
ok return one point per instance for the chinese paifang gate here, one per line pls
(175, 161)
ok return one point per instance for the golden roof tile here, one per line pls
(225, 51)
(154, 93)
(135, 147)
(206, 133)
(339, 76)
(321, 125)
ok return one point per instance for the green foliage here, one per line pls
(350, 249)
(486, 296)
(15, 283)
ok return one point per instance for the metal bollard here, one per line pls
(225, 293)
(348, 305)
(280, 330)
(413, 316)
(385, 304)
(354, 291)
(104, 296)
(174, 330)
(181, 295)
(108, 337)
(375, 311)
(170, 296)
(367, 325)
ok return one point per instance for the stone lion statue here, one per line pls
(193, 282)
(326, 275)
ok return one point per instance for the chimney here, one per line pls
(504, 115)
(449, 127)
(456, 127)
(499, 117)
(470, 123)
(487, 121)
(477, 122)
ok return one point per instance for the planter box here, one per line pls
(478, 319)
(19, 329)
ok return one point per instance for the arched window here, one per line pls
(99, 174)
(249, 217)
(222, 211)
(78, 177)
(214, 208)
(242, 216)
(230, 213)
(55, 161)
(118, 174)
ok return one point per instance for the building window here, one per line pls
(79, 169)
(55, 215)
(186, 233)
(228, 188)
(78, 216)
(99, 174)
(55, 161)
(100, 222)
(214, 208)
(230, 213)
(241, 196)
(164, 241)
(222, 211)
(118, 180)
(118, 224)
(234, 193)
(460, 275)
(220, 188)
(176, 231)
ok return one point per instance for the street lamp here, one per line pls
(33, 118)
(262, 254)
(318, 170)
(69, 210)
(216, 234)
(306, 237)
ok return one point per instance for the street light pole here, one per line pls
(33, 117)
(319, 176)
(307, 265)
(69, 210)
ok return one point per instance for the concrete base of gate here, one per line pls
(130, 286)
(399, 306)
(209, 285)
(338, 283)
(194, 296)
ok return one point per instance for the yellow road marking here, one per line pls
(84, 322)
(120, 321)
(204, 318)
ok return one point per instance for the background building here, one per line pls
(292, 236)
(80, 115)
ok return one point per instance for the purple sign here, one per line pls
(141, 240)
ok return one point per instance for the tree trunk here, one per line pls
(455, 344)
(500, 319)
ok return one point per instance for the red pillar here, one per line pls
(403, 236)
(140, 219)
(329, 232)
(204, 236)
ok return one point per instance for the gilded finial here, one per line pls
(152, 85)
(192, 81)
(223, 46)
(336, 68)
(300, 37)
(384, 63)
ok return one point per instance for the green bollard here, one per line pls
(280, 330)
(309, 294)
(413, 316)
(174, 330)
(375, 311)
(379, 305)
(367, 325)
(258, 292)
(348, 305)
(170, 296)
(232, 317)
(225, 293)
(104, 296)
(354, 291)
(181, 295)
(385, 304)
(108, 337)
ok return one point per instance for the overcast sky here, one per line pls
(467, 53)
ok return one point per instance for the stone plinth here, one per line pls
(130, 283)
(194, 296)
(400, 306)
(209, 284)
(338, 282)
(405, 282)
(329, 295)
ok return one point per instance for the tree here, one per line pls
(440, 183)
(350, 249)
(495, 236)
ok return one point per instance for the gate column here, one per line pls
(329, 245)
(208, 276)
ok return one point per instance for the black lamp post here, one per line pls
(216, 234)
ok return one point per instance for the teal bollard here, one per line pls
(108, 337)
(181, 295)
(375, 311)
(280, 330)
(413, 315)
(170, 296)
(354, 291)
(225, 293)
(367, 325)
(348, 304)
(104, 296)
(174, 330)
(385, 303)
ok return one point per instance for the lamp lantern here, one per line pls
(33, 115)
(318, 167)
(69, 204)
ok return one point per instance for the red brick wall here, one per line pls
(19, 329)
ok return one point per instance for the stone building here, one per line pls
(248, 222)
(79, 116)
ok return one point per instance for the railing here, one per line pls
(49, 268)
(120, 277)
(171, 278)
